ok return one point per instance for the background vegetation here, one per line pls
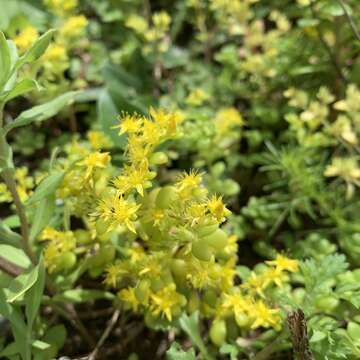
(180, 179)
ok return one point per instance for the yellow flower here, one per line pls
(255, 283)
(113, 272)
(190, 180)
(164, 301)
(118, 211)
(61, 6)
(134, 178)
(55, 52)
(283, 263)
(226, 119)
(73, 26)
(264, 316)
(161, 20)
(128, 296)
(129, 124)
(346, 168)
(217, 208)
(197, 97)
(137, 23)
(98, 140)
(26, 38)
(95, 160)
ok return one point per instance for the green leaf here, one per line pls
(37, 49)
(5, 59)
(82, 295)
(317, 336)
(21, 284)
(7, 236)
(34, 295)
(22, 88)
(42, 112)
(47, 187)
(316, 273)
(176, 353)
(42, 215)
(9, 9)
(190, 324)
(18, 325)
(108, 117)
(56, 335)
(230, 349)
(11, 349)
(15, 255)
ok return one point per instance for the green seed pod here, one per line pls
(142, 290)
(201, 250)
(66, 261)
(193, 303)
(158, 158)
(299, 295)
(157, 284)
(148, 199)
(211, 297)
(101, 226)
(166, 196)
(104, 256)
(327, 303)
(179, 268)
(242, 320)
(82, 236)
(217, 240)
(218, 332)
(206, 230)
(353, 329)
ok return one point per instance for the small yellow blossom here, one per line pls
(61, 7)
(264, 316)
(164, 301)
(129, 124)
(55, 52)
(73, 26)
(217, 208)
(137, 23)
(283, 263)
(118, 211)
(197, 97)
(98, 140)
(26, 38)
(128, 296)
(95, 160)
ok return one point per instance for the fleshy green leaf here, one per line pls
(190, 324)
(82, 295)
(176, 353)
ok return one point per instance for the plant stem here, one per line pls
(350, 19)
(105, 335)
(271, 348)
(9, 180)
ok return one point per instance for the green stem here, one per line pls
(8, 176)
(271, 348)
